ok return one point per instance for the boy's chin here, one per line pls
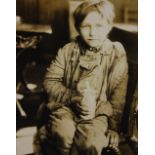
(95, 43)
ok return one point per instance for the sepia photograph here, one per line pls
(76, 77)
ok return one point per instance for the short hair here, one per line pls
(103, 7)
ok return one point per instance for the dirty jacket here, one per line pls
(64, 73)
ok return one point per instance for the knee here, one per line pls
(86, 144)
(96, 143)
(91, 141)
(63, 132)
(83, 141)
(91, 146)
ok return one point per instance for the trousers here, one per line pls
(66, 135)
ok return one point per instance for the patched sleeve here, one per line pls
(117, 101)
(103, 112)
(54, 80)
(118, 79)
(104, 108)
(55, 72)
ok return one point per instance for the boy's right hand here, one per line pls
(76, 103)
(113, 137)
(82, 110)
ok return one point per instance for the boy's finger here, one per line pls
(108, 138)
(114, 140)
(58, 98)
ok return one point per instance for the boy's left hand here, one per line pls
(113, 137)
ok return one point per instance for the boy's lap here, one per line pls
(61, 121)
(64, 121)
(91, 133)
(62, 130)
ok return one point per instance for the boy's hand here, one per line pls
(113, 138)
(84, 111)
(81, 109)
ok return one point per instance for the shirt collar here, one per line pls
(105, 49)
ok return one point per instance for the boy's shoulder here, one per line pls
(68, 49)
(70, 45)
(118, 48)
(120, 51)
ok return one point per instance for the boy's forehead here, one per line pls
(94, 16)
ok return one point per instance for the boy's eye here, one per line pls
(85, 26)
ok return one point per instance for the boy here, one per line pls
(86, 84)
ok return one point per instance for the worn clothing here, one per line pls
(64, 135)
(108, 72)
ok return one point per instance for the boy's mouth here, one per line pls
(92, 39)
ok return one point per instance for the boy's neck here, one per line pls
(85, 46)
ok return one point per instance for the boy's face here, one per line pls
(94, 29)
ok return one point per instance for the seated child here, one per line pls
(86, 84)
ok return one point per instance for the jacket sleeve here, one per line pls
(57, 92)
(117, 101)
(118, 79)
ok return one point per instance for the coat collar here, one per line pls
(105, 49)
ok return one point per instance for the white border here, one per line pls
(8, 77)
(146, 77)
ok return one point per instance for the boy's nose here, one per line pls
(92, 31)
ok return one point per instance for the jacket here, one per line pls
(64, 73)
